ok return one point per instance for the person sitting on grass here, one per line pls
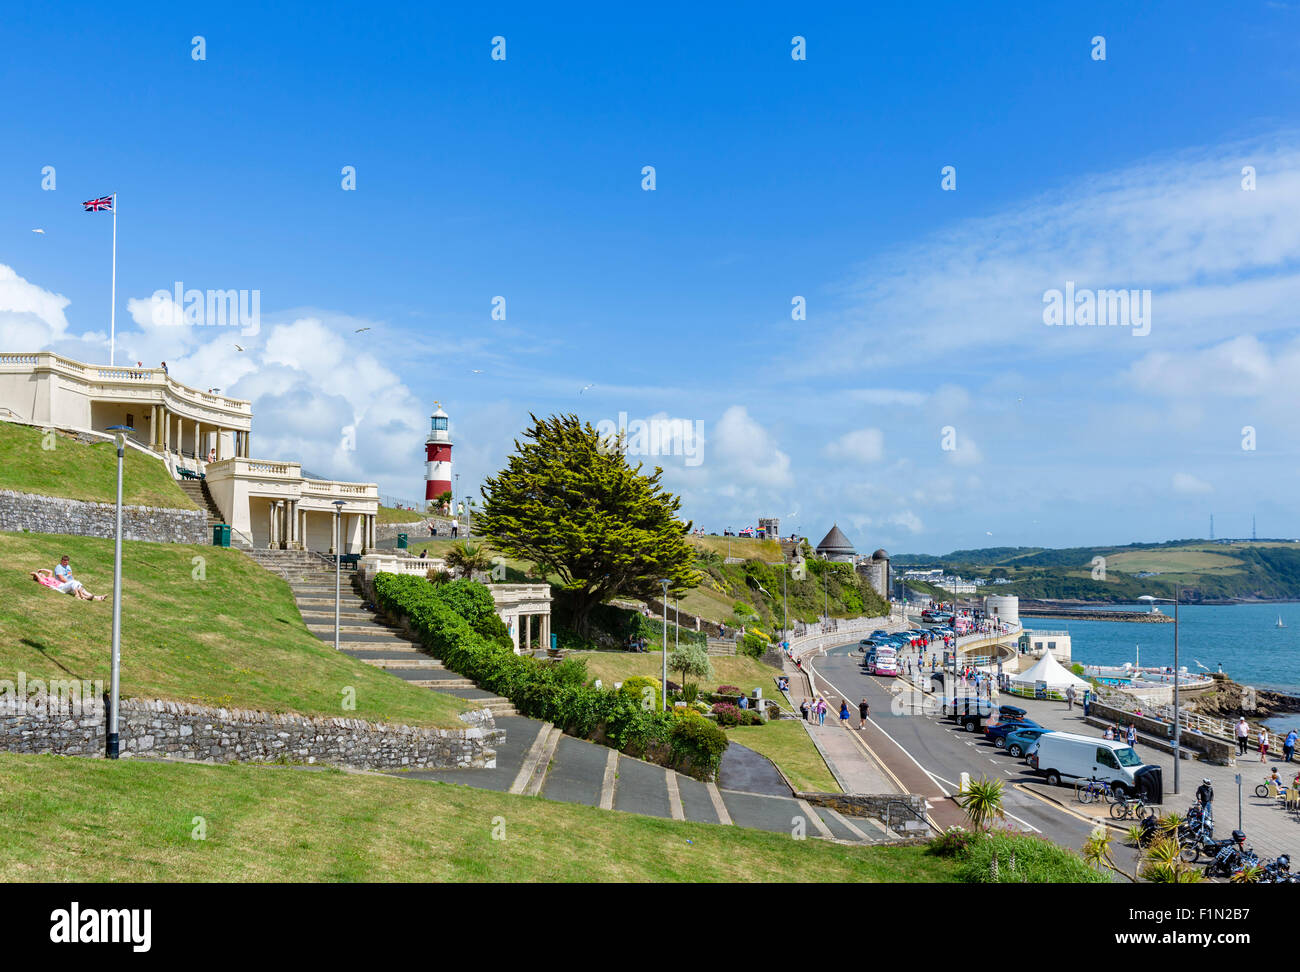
(61, 580)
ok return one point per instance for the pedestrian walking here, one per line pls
(821, 711)
(1131, 737)
(864, 710)
(844, 712)
(1087, 701)
(1263, 745)
(1243, 733)
(1288, 745)
(803, 709)
(1069, 699)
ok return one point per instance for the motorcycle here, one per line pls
(1211, 848)
(1231, 858)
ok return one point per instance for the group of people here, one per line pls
(1263, 741)
(1129, 735)
(816, 709)
(60, 579)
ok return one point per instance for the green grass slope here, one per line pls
(266, 823)
(232, 638)
(75, 470)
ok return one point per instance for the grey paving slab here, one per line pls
(872, 828)
(641, 788)
(695, 800)
(763, 812)
(379, 637)
(379, 653)
(577, 769)
(468, 693)
(520, 733)
(836, 828)
(425, 674)
(744, 769)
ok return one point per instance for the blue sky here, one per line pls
(776, 178)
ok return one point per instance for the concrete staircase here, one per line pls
(362, 633)
(197, 490)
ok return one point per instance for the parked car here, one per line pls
(880, 633)
(1018, 741)
(997, 733)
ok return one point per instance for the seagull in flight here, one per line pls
(476, 371)
(239, 347)
(360, 329)
(41, 231)
(585, 387)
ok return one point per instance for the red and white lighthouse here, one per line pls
(437, 468)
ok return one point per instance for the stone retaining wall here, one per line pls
(875, 805)
(51, 514)
(185, 731)
(417, 530)
(1213, 750)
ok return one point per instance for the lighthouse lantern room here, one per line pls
(437, 468)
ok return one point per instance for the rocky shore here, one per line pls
(1229, 699)
(1084, 614)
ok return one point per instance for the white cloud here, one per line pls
(32, 318)
(860, 445)
(745, 452)
(1187, 483)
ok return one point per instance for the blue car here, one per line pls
(997, 734)
(1018, 741)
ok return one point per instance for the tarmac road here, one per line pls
(928, 754)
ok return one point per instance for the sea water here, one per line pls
(1242, 638)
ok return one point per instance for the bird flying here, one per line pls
(585, 387)
(476, 371)
(360, 329)
(238, 348)
(41, 231)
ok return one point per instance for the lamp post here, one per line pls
(338, 569)
(663, 685)
(1178, 725)
(116, 656)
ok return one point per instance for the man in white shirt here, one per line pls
(69, 584)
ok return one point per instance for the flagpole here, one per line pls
(112, 314)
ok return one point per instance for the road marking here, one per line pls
(674, 797)
(529, 766)
(814, 819)
(607, 784)
(719, 807)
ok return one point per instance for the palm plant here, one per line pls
(982, 801)
(1097, 852)
(1249, 874)
(467, 558)
(438, 575)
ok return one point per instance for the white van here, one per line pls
(1066, 757)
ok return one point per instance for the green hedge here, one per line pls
(457, 622)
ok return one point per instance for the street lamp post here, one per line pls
(338, 569)
(116, 656)
(1178, 725)
(663, 685)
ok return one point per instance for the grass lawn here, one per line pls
(234, 638)
(74, 470)
(133, 820)
(742, 671)
(787, 744)
(768, 551)
(388, 514)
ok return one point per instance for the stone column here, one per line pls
(545, 620)
(270, 542)
(197, 455)
(528, 632)
(291, 514)
(248, 445)
(166, 431)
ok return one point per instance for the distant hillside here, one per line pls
(1206, 570)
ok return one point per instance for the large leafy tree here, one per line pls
(569, 502)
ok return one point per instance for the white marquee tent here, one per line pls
(1051, 671)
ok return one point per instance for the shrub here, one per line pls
(701, 742)
(457, 622)
(729, 690)
(727, 714)
(748, 717)
(1037, 861)
(753, 644)
(646, 691)
(951, 842)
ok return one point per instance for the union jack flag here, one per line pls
(95, 205)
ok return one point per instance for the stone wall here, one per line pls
(877, 806)
(1221, 752)
(51, 514)
(185, 731)
(416, 531)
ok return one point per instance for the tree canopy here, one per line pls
(569, 502)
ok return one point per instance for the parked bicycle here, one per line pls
(1093, 789)
(1136, 807)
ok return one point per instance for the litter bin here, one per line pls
(401, 541)
(221, 534)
